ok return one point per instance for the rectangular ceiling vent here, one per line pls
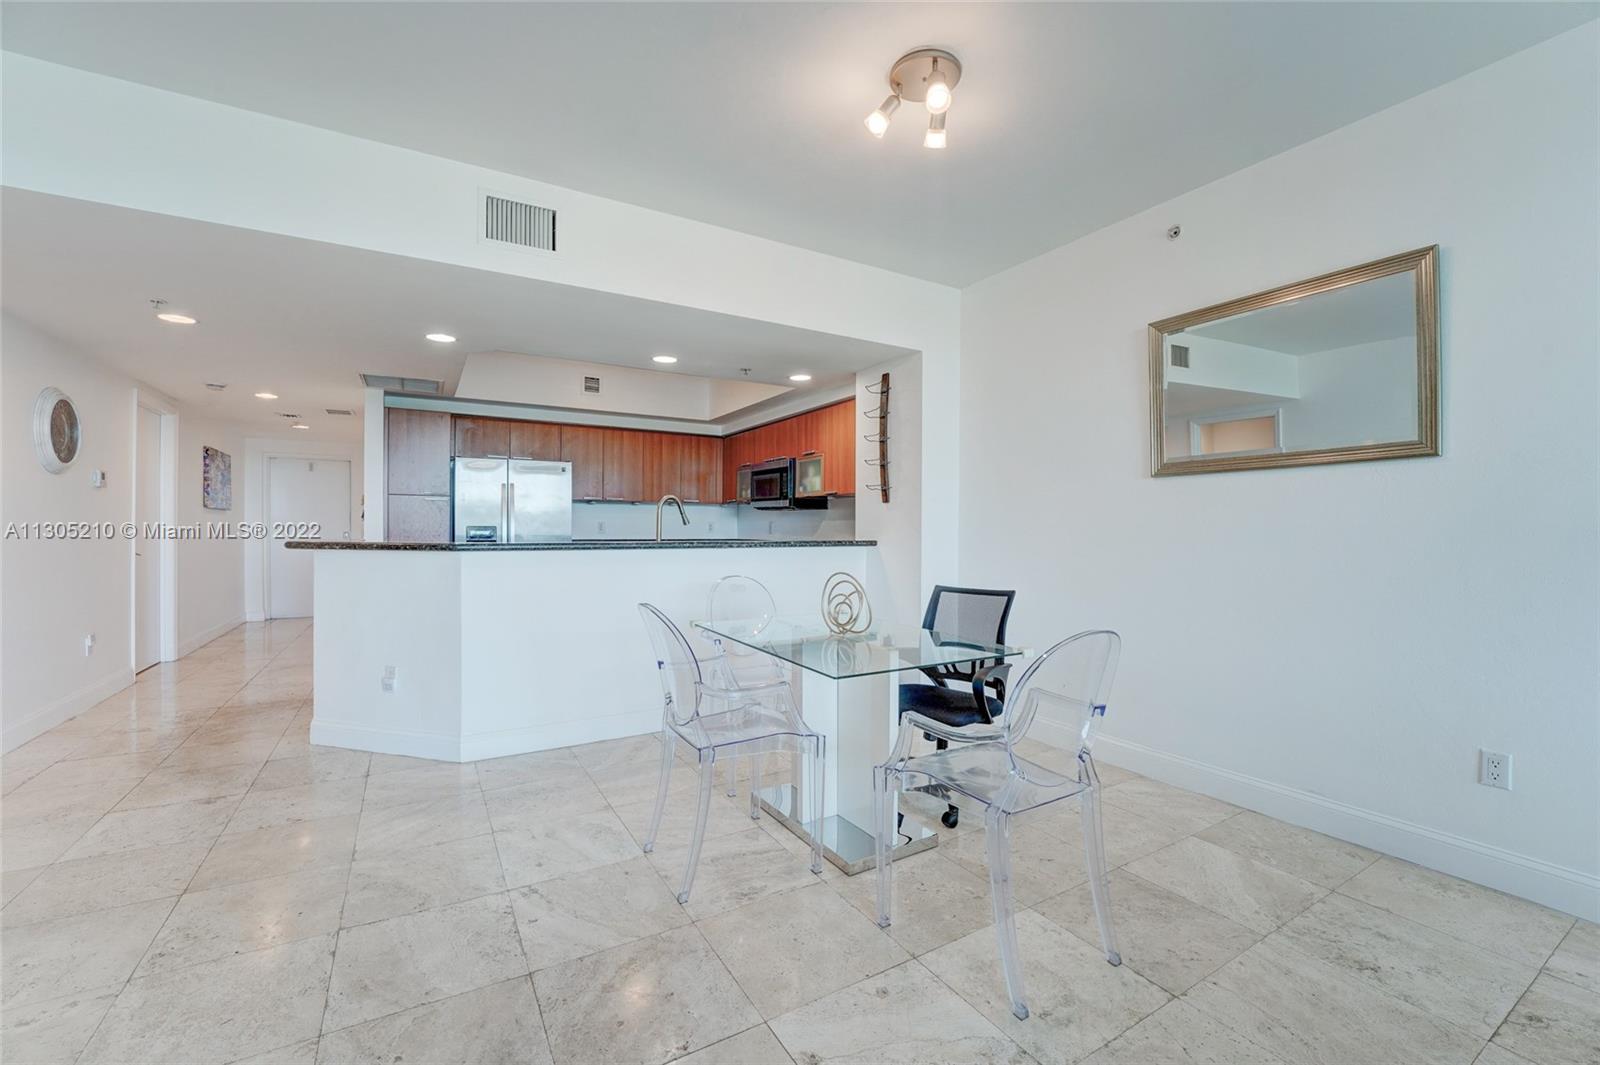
(336, 410)
(591, 385)
(525, 225)
(402, 384)
(1180, 356)
(291, 417)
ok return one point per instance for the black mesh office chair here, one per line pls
(961, 695)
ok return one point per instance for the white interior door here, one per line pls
(146, 551)
(313, 493)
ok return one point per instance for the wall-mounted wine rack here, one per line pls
(881, 437)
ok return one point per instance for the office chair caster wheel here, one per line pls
(950, 818)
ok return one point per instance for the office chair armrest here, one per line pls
(995, 674)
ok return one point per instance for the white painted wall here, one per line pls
(54, 593)
(1333, 645)
(84, 137)
(511, 377)
(905, 576)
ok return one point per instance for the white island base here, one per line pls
(459, 654)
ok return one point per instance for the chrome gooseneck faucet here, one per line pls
(675, 501)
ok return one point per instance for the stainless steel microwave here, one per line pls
(772, 484)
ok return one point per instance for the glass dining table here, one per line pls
(848, 689)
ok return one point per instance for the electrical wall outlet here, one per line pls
(1494, 769)
(387, 683)
(88, 645)
(601, 527)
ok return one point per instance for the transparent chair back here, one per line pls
(1069, 682)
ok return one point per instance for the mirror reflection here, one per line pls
(1335, 372)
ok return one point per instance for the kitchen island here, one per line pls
(459, 651)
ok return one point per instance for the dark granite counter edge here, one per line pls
(577, 545)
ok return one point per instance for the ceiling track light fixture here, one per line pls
(927, 76)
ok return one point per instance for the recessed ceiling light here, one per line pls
(664, 358)
(441, 338)
(299, 425)
(799, 377)
(175, 319)
(266, 395)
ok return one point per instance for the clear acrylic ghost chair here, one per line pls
(745, 603)
(1069, 682)
(719, 722)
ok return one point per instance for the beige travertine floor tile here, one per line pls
(143, 740)
(1162, 936)
(321, 763)
(1042, 864)
(1577, 959)
(395, 964)
(193, 1014)
(269, 807)
(13, 880)
(393, 763)
(541, 848)
(1254, 895)
(582, 913)
(169, 785)
(233, 919)
(790, 949)
(406, 825)
(1128, 836)
(625, 785)
(264, 852)
(406, 787)
(1512, 927)
(734, 870)
(88, 884)
(540, 801)
(630, 751)
(1304, 1010)
(1179, 1034)
(33, 802)
(301, 1053)
(54, 1031)
(77, 954)
(95, 770)
(41, 842)
(1555, 1023)
(494, 1025)
(1298, 851)
(647, 1001)
(1076, 1000)
(154, 826)
(536, 768)
(1435, 972)
(1181, 809)
(754, 1046)
(935, 900)
(903, 1015)
(392, 883)
(725, 816)
(1494, 1054)
(193, 754)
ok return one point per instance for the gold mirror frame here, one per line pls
(1424, 263)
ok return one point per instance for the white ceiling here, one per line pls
(268, 320)
(1382, 309)
(1069, 116)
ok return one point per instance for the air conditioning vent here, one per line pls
(291, 417)
(591, 385)
(526, 225)
(402, 384)
(336, 410)
(1180, 356)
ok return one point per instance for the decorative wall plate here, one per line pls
(57, 434)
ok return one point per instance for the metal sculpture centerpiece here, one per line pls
(845, 607)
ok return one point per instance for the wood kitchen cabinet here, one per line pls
(623, 465)
(418, 446)
(829, 431)
(534, 440)
(584, 447)
(702, 472)
(480, 438)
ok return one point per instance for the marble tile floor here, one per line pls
(187, 879)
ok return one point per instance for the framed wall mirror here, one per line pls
(1340, 368)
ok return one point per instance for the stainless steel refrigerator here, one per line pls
(511, 501)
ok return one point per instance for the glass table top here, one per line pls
(807, 643)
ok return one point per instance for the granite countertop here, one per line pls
(574, 545)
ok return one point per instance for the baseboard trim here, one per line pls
(1569, 890)
(200, 639)
(68, 706)
(414, 744)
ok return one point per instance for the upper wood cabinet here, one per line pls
(623, 469)
(534, 440)
(584, 447)
(828, 431)
(418, 446)
(703, 469)
(481, 438)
